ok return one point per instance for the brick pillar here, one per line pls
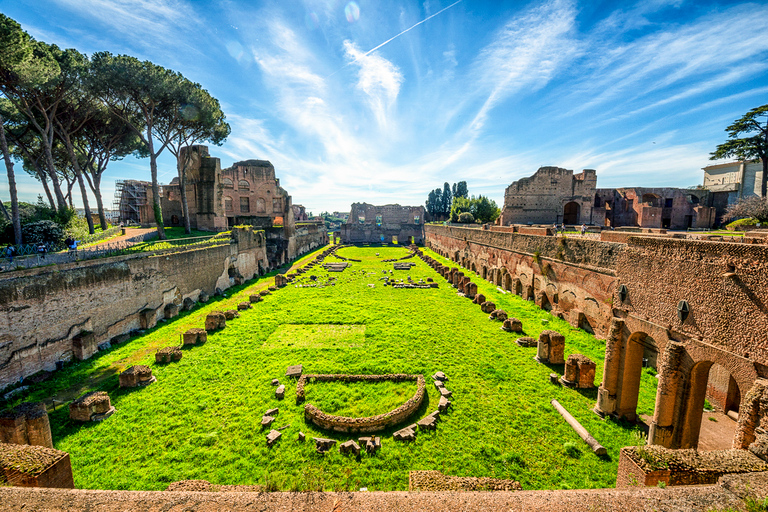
(661, 430)
(606, 393)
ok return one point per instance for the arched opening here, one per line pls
(508, 282)
(485, 272)
(584, 324)
(571, 213)
(693, 199)
(636, 393)
(498, 276)
(474, 267)
(711, 408)
(545, 304)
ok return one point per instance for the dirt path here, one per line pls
(129, 233)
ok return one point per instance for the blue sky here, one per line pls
(382, 101)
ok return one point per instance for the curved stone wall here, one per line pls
(360, 425)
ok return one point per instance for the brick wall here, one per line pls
(43, 309)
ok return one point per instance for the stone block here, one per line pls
(440, 376)
(405, 434)
(93, 406)
(136, 376)
(203, 297)
(147, 318)
(445, 393)
(498, 314)
(280, 392)
(349, 447)
(275, 382)
(551, 348)
(267, 420)
(215, 320)
(429, 422)
(197, 336)
(272, 412)
(273, 436)
(242, 306)
(294, 371)
(479, 298)
(188, 304)
(371, 444)
(444, 404)
(84, 345)
(487, 306)
(231, 314)
(302, 436)
(171, 311)
(254, 297)
(168, 354)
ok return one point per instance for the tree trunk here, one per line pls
(86, 206)
(60, 200)
(99, 202)
(184, 205)
(44, 181)
(11, 186)
(5, 212)
(155, 187)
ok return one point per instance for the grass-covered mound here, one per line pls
(201, 419)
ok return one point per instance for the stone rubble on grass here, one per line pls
(444, 404)
(323, 445)
(275, 382)
(526, 341)
(272, 437)
(371, 444)
(302, 436)
(272, 412)
(445, 393)
(512, 325)
(267, 420)
(405, 434)
(439, 384)
(349, 447)
(280, 392)
(429, 422)
(294, 371)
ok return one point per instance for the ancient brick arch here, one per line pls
(683, 386)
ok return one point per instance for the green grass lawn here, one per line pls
(201, 419)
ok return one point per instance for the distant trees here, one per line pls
(751, 207)
(66, 116)
(753, 124)
(482, 209)
(439, 201)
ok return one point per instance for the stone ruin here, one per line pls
(242, 306)
(579, 372)
(93, 406)
(526, 341)
(498, 314)
(168, 354)
(335, 267)
(231, 314)
(34, 466)
(197, 336)
(512, 325)
(294, 372)
(272, 437)
(478, 299)
(551, 348)
(403, 266)
(362, 425)
(215, 320)
(281, 280)
(171, 311)
(137, 376)
(487, 306)
(254, 297)
(26, 423)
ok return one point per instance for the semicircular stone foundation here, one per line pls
(371, 423)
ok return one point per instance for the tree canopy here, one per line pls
(748, 140)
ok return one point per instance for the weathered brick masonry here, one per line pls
(45, 312)
(631, 293)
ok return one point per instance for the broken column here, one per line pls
(136, 376)
(197, 336)
(579, 372)
(26, 423)
(168, 354)
(215, 320)
(93, 406)
(551, 348)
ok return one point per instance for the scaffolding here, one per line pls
(131, 198)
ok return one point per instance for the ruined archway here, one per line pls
(571, 213)
(518, 287)
(485, 272)
(507, 282)
(702, 385)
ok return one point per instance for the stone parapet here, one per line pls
(34, 466)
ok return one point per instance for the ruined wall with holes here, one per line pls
(46, 312)
(376, 224)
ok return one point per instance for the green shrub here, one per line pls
(42, 231)
(465, 218)
(741, 224)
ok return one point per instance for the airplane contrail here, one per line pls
(411, 28)
(398, 35)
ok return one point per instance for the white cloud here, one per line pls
(378, 78)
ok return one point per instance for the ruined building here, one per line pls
(556, 195)
(729, 182)
(383, 224)
(247, 193)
